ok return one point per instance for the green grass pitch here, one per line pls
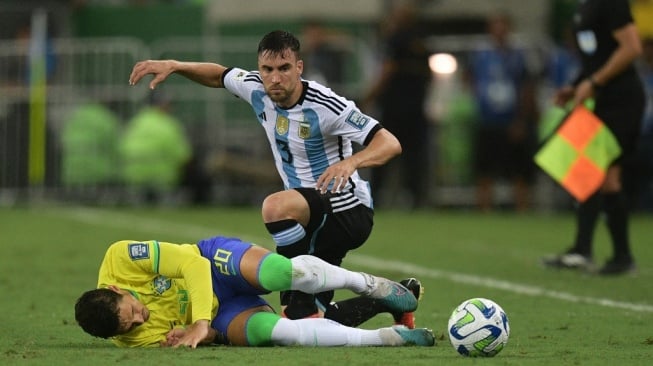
(50, 254)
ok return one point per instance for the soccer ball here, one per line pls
(478, 327)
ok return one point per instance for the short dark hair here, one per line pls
(278, 41)
(96, 311)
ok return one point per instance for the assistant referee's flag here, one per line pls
(579, 153)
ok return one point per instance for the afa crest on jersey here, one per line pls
(304, 130)
(161, 284)
(282, 125)
(357, 119)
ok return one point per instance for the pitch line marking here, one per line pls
(423, 272)
(124, 221)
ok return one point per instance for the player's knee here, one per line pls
(273, 208)
(285, 205)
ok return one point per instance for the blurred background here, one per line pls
(72, 130)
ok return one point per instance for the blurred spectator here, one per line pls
(561, 68)
(400, 92)
(504, 92)
(563, 63)
(154, 150)
(89, 140)
(324, 53)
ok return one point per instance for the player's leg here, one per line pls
(262, 271)
(266, 271)
(258, 327)
(286, 214)
(238, 333)
(342, 232)
(616, 212)
(302, 221)
(287, 217)
(338, 233)
(309, 274)
(579, 255)
(624, 118)
(356, 311)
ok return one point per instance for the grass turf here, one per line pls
(49, 255)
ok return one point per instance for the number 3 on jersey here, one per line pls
(284, 151)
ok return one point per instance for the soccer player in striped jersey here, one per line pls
(152, 293)
(326, 208)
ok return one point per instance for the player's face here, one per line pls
(131, 313)
(281, 75)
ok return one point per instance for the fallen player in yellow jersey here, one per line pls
(162, 294)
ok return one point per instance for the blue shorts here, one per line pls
(234, 294)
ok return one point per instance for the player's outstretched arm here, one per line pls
(207, 74)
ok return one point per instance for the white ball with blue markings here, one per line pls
(478, 327)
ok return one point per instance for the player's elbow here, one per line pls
(394, 147)
(386, 146)
(397, 148)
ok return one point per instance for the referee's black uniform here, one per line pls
(619, 103)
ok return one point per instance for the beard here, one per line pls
(279, 96)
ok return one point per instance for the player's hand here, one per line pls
(160, 69)
(338, 174)
(192, 335)
(173, 337)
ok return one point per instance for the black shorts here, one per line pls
(330, 235)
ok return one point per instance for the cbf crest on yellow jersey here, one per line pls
(151, 272)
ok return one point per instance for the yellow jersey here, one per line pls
(172, 280)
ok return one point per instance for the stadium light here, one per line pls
(443, 63)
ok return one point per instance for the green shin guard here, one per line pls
(275, 273)
(259, 328)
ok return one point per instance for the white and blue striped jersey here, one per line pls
(310, 136)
